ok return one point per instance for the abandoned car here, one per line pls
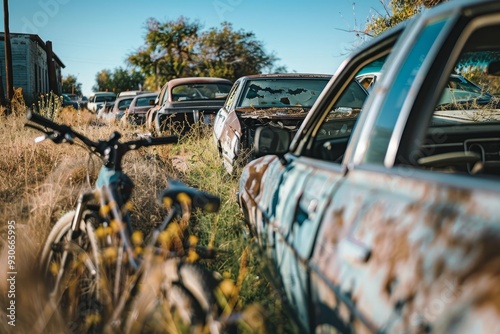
(384, 218)
(278, 100)
(183, 102)
(140, 106)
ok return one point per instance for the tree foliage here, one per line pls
(231, 54)
(396, 11)
(180, 48)
(471, 66)
(70, 85)
(168, 51)
(118, 80)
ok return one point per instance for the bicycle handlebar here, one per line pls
(64, 130)
(66, 133)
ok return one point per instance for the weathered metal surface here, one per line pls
(378, 247)
(409, 250)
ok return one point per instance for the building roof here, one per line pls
(38, 40)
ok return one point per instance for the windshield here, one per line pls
(282, 92)
(202, 91)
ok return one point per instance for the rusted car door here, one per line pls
(306, 186)
(302, 196)
(405, 246)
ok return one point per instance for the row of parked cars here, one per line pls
(378, 213)
(372, 193)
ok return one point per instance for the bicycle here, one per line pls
(94, 245)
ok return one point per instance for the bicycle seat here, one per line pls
(179, 193)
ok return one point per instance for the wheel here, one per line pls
(177, 311)
(57, 234)
(174, 297)
(191, 284)
(183, 305)
(201, 283)
(76, 291)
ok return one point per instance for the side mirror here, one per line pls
(271, 140)
(152, 102)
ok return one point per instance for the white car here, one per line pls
(97, 99)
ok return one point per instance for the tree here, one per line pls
(169, 50)
(70, 85)
(118, 80)
(396, 11)
(231, 54)
(180, 48)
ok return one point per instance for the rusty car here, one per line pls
(278, 100)
(380, 216)
(139, 107)
(183, 102)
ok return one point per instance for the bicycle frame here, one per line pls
(72, 240)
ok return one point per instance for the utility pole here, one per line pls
(9, 77)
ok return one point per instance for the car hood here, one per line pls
(273, 113)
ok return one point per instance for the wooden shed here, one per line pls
(32, 62)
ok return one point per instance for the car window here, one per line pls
(144, 101)
(123, 104)
(230, 100)
(105, 98)
(200, 91)
(333, 135)
(300, 92)
(327, 133)
(163, 95)
(462, 137)
(367, 81)
(385, 121)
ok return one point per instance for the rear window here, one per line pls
(144, 101)
(105, 98)
(204, 91)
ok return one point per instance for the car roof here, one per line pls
(287, 75)
(103, 93)
(188, 80)
(128, 97)
(145, 95)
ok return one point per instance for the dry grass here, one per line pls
(40, 182)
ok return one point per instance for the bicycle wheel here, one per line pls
(201, 283)
(191, 283)
(75, 292)
(174, 312)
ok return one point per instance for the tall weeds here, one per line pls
(39, 183)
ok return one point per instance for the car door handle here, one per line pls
(353, 250)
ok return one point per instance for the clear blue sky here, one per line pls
(91, 35)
